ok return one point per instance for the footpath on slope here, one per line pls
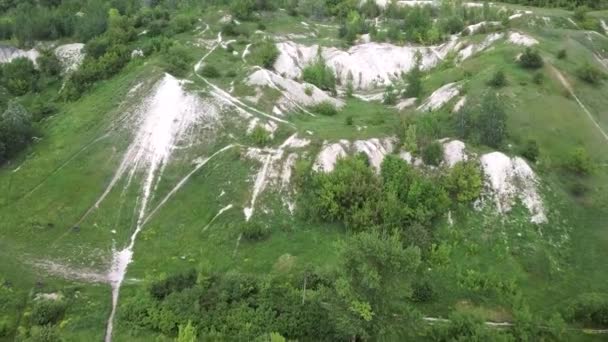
(569, 88)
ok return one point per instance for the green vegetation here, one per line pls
(264, 53)
(319, 74)
(531, 59)
(324, 108)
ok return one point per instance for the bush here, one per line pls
(260, 136)
(177, 59)
(308, 90)
(538, 78)
(254, 231)
(531, 59)
(47, 312)
(590, 308)
(498, 80)
(173, 283)
(423, 292)
(19, 76)
(530, 150)
(48, 64)
(562, 54)
(492, 121)
(15, 130)
(390, 96)
(324, 108)
(464, 182)
(578, 161)
(433, 153)
(210, 71)
(264, 53)
(349, 120)
(319, 74)
(590, 74)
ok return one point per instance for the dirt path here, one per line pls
(568, 87)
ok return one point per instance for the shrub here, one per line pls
(578, 161)
(349, 120)
(260, 136)
(590, 74)
(47, 312)
(538, 78)
(319, 74)
(414, 79)
(464, 181)
(433, 153)
(264, 53)
(530, 150)
(210, 71)
(590, 308)
(492, 121)
(254, 231)
(390, 96)
(49, 64)
(498, 79)
(423, 292)
(562, 54)
(325, 108)
(19, 76)
(177, 59)
(531, 59)
(15, 130)
(173, 283)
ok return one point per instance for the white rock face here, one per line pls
(8, 53)
(440, 97)
(375, 149)
(294, 93)
(70, 55)
(512, 179)
(522, 39)
(476, 27)
(454, 152)
(460, 104)
(473, 49)
(370, 65)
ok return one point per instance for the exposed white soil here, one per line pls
(8, 53)
(522, 39)
(276, 169)
(472, 29)
(473, 49)
(162, 120)
(460, 104)
(509, 180)
(70, 56)
(219, 213)
(371, 65)
(604, 26)
(375, 149)
(246, 52)
(294, 93)
(440, 97)
(406, 103)
(573, 23)
(54, 296)
(66, 272)
(454, 151)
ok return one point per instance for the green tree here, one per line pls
(264, 53)
(432, 154)
(375, 280)
(186, 333)
(492, 121)
(414, 79)
(320, 74)
(579, 161)
(15, 130)
(464, 181)
(19, 76)
(242, 9)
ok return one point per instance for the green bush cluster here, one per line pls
(320, 74)
(264, 53)
(324, 108)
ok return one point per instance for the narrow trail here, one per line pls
(508, 325)
(224, 209)
(568, 87)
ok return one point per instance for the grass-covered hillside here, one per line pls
(308, 170)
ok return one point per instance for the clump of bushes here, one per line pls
(432, 154)
(531, 59)
(264, 53)
(174, 283)
(177, 59)
(324, 108)
(530, 150)
(260, 136)
(590, 74)
(498, 79)
(562, 54)
(47, 312)
(320, 74)
(389, 97)
(210, 71)
(590, 308)
(578, 161)
(254, 231)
